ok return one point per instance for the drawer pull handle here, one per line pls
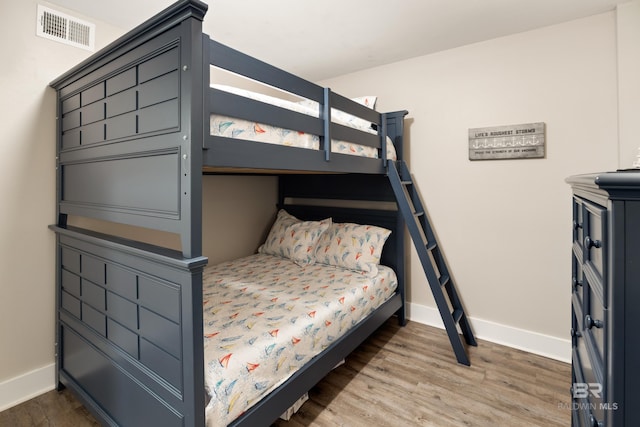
(594, 422)
(592, 243)
(575, 334)
(576, 282)
(577, 225)
(590, 322)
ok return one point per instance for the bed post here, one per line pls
(395, 130)
(192, 98)
(400, 269)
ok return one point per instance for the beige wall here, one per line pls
(628, 37)
(504, 225)
(237, 213)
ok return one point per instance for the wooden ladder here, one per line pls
(433, 263)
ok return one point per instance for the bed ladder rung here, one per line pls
(445, 279)
(435, 267)
(457, 315)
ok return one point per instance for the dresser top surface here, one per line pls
(618, 184)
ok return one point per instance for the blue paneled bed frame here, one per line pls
(133, 142)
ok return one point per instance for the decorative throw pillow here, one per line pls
(295, 239)
(352, 246)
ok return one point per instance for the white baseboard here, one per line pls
(27, 386)
(532, 342)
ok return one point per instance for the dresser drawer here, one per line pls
(581, 407)
(577, 283)
(594, 244)
(578, 235)
(588, 388)
(594, 319)
(576, 323)
(583, 414)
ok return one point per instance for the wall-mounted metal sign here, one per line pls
(524, 141)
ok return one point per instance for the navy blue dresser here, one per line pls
(605, 323)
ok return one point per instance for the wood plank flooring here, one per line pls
(399, 377)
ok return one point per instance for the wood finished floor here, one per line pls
(399, 377)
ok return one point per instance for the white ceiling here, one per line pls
(318, 39)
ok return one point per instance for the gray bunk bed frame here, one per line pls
(132, 145)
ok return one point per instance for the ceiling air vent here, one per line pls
(65, 29)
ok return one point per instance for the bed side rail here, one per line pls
(129, 330)
(129, 150)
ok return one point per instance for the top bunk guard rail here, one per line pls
(220, 102)
(232, 60)
(229, 59)
(133, 133)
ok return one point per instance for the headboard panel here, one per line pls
(129, 149)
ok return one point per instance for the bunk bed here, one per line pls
(135, 135)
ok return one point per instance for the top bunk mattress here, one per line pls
(231, 127)
(265, 317)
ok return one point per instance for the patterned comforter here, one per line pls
(265, 317)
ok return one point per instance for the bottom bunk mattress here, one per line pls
(265, 317)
